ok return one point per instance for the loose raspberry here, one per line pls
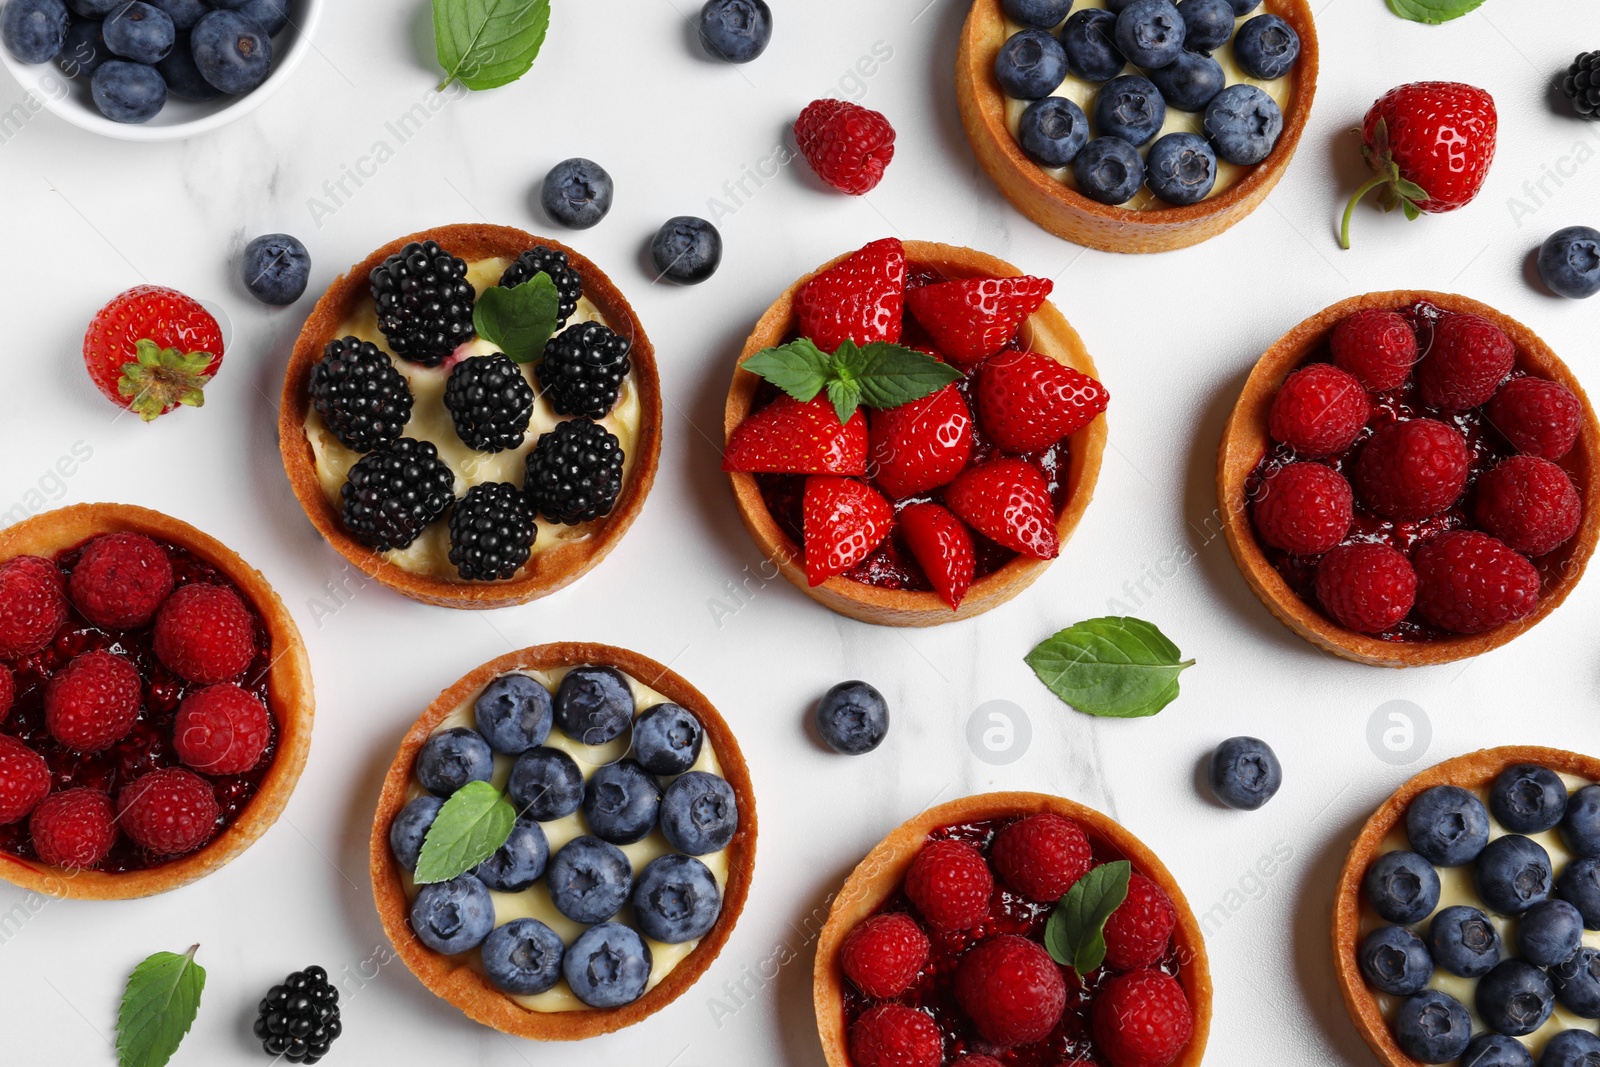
(1138, 932)
(92, 703)
(892, 1035)
(846, 144)
(1011, 989)
(74, 829)
(169, 812)
(8, 691)
(1377, 346)
(222, 730)
(1538, 417)
(884, 955)
(1367, 588)
(1529, 503)
(1319, 410)
(950, 884)
(1142, 1019)
(120, 581)
(24, 780)
(1412, 470)
(1469, 358)
(1042, 856)
(1469, 582)
(32, 605)
(205, 634)
(1304, 509)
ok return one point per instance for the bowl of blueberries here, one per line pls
(154, 70)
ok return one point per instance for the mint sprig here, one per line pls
(879, 375)
(470, 828)
(485, 44)
(1117, 668)
(1075, 935)
(159, 1005)
(1433, 12)
(521, 319)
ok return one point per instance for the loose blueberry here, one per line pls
(410, 829)
(139, 32)
(608, 966)
(1052, 131)
(676, 900)
(34, 31)
(1190, 82)
(667, 740)
(594, 705)
(454, 916)
(276, 268)
(1513, 874)
(523, 957)
(1447, 826)
(1130, 108)
(272, 15)
(852, 718)
(183, 74)
(1569, 262)
(699, 814)
(1402, 887)
(1571, 1048)
(519, 862)
(735, 30)
(577, 193)
(1266, 47)
(1207, 24)
(1516, 998)
(1181, 168)
(233, 52)
(1577, 981)
(85, 49)
(1244, 124)
(1497, 1050)
(622, 803)
(686, 249)
(546, 784)
(1549, 933)
(1464, 942)
(1150, 33)
(1432, 1027)
(452, 758)
(589, 880)
(1245, 772)
(1528, 799)
(1109, 170)
(183, 13)
(1580, 887)
(1089, 38)
(128, 92)
(1395, 961)
(1040, 14)
(1580, 829)
(514, 714)
(1030, 65)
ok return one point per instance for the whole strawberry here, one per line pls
(151, 350)
(846, 144)
(1430, 145)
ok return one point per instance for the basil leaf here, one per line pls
(158, 1007)
(521, 319)
(484, 44)
(1075, 935)
(470, 828)
(1433, 11)
(799, 368)
(892, 375)
(1113, 667)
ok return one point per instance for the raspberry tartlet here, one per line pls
(634, 841)
(155, 703)
(447, 467)
(1410, 478)
(935, 951)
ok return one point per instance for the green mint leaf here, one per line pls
(892, 375)
(1113, 667)
(158, 1007)
(470, 828)
(849, 361)
(1075, 935)
(881, 375)
(799, 368)
(845, 397)
(485, 44)
(521, 319)
(1433, 12)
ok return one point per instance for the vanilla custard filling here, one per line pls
(430, 421)
(1083, 93)
(535, 902)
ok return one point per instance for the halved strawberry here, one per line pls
(943, 548)
(151, 349)
(1029, 402)
(973, 318)
(863, 299)
(844, 521)
(1008, 501)
(921, 445)
(790, 437)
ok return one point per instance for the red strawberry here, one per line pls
(93, 702)
(973, 318)
(844, 521)
(1042, 856)
(943, 549)
(120, 581)
(950, 884)
(1008, 501)
(893, 1035)
(1029, 402)
(205, 634)
(32, 605)
(1142, 1019)
(24, 780)
(221, 730)
(862, 299)
(168, 812)
(846, 144)
(921, 445)
(1012, 990)
(74, 829)
(884, 954)
(152, 349)
(1138, 932)
(790, 437)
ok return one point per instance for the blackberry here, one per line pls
(1582, 84)
(583, 368)
(394, 492)
(540, 259)
(490, 402)
(359, 394)
(491, 532)
(574, 473)
(299, 1019)
(424, 302)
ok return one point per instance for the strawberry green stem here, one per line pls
(1350, 209)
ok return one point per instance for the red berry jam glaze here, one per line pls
(149, 747)
(1071, 1043)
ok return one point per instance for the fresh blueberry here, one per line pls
(577, 193)
(1528, 799)
(1109, 170)
(1190, 82)
(676, 900)
(589, 880)
(1496, 1050)
(1131, 109)
(1040, 14)
(1245, 772)
(608, 966)
(272, 15)
(454, 916)
(1150, 33)
(1513, 874)
(85, 49)
(1464, 942)
(1207, 24)
(1580, 887)
(1402, 887)
(1244, 124)
(139, 32)
(686, 249)
(514, 714)
(1571, 1048)
(410, 829)
(523, 957)
(699, 814)
(1241, 8)
(34, 31)
(95, 9)
(667, 739)
(519, 862)
(1090, 40)
(1052, 131)
(1549, 933)
(128, 92)
(1030, 65)
(275, 268)
(852, 718)
(452, 758)
(622, 803)
(1116, 6)
(1432, 1027)
(1516, 998)
(183, 74)
(233, 52)
(1569, 262)
(1577, 981)
(546, 784)
(1447, 826)
(594, 705)
(1580, 829)
(1181, 168)
(183, 13)
(1266, 47)
(1395, 961)
(735, 30)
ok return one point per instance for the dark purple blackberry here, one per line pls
(424, 302)
(544, 260)
(1582, 84)
(583, 369)
(359, 394)
(490, 401)
(574, 473)
(299, 1019)
(491, 532)
(395, 491)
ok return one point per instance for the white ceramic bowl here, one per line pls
(52, 90)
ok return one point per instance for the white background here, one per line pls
(83, 218)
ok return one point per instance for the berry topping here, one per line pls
(1539, 417)
(1304, 509)
(120, 581)
(152, 349)
(1008, 501)
(1029, 402)
(950, 884)
(1433, 1027)
(1266, 47)
(846, 144)
(1011, 989)
(1138, 932)
(492, 531)
(892, 1035)
(1030, 65)
(1469, 358)
(942, 547)
(24, 780)
(205, 634)
(667, 739)
(169, 812)
(844, 521)
(884, 955)
(92, 703)
(861, 300)
(1469, 582)
(852, 718)
(1368, 588)
(1319, 410)
(973, 318)
(676, 900)
(583, 370)
(1042, 856)
(360, 395)
(589, 880)
(594, 705)
(1412, 470)
(920, 445)
(790, 437)
(1529, 503)
(523, 957)
(1142, 1019)
(74, 829)
(424, 303)
(699, 814)
(547, 261)
(455, 916)
(394, 492)
(32, 605)
(1376, 345)
(222, 730)
(574, 473)
(608, 966)
(299, 1018)
(490, 402)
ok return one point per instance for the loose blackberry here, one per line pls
(1582, 84)
(394, 492)
(548, 261)
(491, 532)
(299, 1019)
(424, 302)
(490, 402)
(574, 473)
(583, 368)
(359, 394)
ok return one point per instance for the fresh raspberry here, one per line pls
(1469, 582)
(1304, 509)
(862, 299)
(32, 605)
(221, 730)
(1377, 346)
(1042, 856)
(1529, 503)
(1412, 470)
(846, 144)
(205, 634)
(892, 1035)
(1138, 932)
(24, 780)
(1142, 1019)
(1367, 588)
(1469, 358)
(92, 703)
(120, 581)
(169, 812)
(1319, 410)
(73, 829)
(950, 884)
(1011, 989)
(884, 955)
(1538, 417)
(8, 691)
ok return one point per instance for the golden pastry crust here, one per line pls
(547, 571)
(1048, 333)
(882, 873)
(291, 700)
(450, 977)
